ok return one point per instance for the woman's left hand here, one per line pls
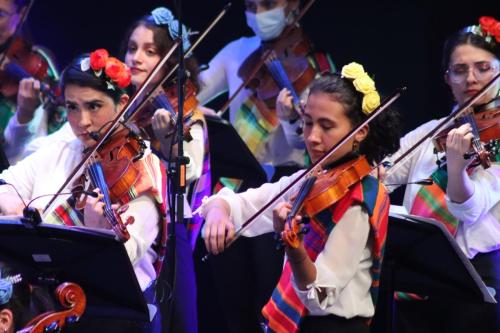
(458, 143)
(164, 130)
(93, 212)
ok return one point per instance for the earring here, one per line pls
(355, 146)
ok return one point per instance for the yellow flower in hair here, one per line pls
(364, 84)
(371, 101)
(352, 71)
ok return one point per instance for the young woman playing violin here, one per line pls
(23, 68)
(463, 192)
(326, 283)
(93, 92)
(269, 130)
(266, 121)
(147, 41)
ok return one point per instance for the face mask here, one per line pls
(267, 25)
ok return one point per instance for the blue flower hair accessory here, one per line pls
(163, 16)
(6, 287)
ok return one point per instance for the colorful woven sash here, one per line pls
(254, 121)
(151, 181)
(284, 311)
(430, 201)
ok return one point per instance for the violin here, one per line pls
(112, 170)
(20, 62)
(320, 192)
(382, 107)
(286, 63)
(286, 67)
(485, 129)
(134, 104)
(166, 99)
(72, 298)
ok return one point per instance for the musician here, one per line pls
(93, 88)
(271, 135)
(462, 193)
(31, 120)
(147, 41)
(326, 282)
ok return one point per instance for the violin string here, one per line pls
(97, 182)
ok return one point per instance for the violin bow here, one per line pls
(265, 58)
(132, 102)
(401, 160)
(16, 32)
(385, 104)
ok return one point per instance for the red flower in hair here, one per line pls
(113, 68)
(495, 31)
(110, 69)
(125, 77)
(98, 59)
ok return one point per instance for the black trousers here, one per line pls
(447, 316)
(235, 285)
(333, 324)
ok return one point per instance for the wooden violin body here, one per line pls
(287, 67)
(20, 62)
(324, 190)
(166, 99)
(486, 130)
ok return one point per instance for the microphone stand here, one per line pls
(178, 173)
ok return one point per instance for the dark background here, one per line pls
(398, 42)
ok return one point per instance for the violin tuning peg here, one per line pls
(129, 220)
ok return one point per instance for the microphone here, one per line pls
(96, 135)
(31, 216)
(424, 182)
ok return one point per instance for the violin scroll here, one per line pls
(72, 297)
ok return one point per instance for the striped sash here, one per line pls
(430, 201)
(284, 311)
(255, 121)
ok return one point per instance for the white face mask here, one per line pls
(267, 25)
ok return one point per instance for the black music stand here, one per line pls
(422, 257)
(4, 162)
(89, 257)
(230, 156)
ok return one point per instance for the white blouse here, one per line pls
(476, 234)
(44, 171)
(343, 267)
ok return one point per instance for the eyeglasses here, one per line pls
(483, 70)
